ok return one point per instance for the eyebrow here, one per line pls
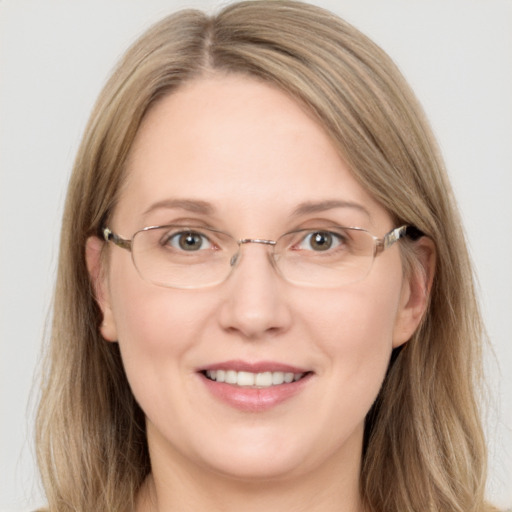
(305, 208)
(191, 205)
(310, 207)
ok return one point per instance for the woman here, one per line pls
(220, 344)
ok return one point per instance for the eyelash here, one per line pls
(175, 235)
(325, 234)
(328, 240)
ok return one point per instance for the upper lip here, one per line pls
(254, 367)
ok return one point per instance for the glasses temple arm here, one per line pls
(396, 234)
(110, 236)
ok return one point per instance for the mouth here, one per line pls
(254, 387)
(258, 380)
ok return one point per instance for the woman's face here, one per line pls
(242, 157)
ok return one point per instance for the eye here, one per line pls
(320, 241)
(189, 241)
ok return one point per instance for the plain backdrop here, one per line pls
(54, 58)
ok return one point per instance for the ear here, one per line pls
(99, 281)
(416, 288)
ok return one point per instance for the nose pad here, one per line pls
(234, 259)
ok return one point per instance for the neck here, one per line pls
(175, 486)
(249, 497)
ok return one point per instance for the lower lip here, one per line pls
(249, 399)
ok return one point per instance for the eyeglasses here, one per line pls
(177, 256)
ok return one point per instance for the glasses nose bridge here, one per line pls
(263, 241)
(244, 241)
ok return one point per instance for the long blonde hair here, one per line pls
(424, 447)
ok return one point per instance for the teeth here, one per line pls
(245, 379)
(263, 380)
(231, 377)
(249, 379)
(277, 378)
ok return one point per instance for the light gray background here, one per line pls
(54, 58)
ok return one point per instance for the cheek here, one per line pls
(146, 314)
(157, 324)
(355, 320)
(157, 330)
(354, 332)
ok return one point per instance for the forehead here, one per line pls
(241, 146)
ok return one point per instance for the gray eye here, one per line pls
(320, 241)
(189, 241)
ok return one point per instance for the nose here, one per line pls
(254, 296)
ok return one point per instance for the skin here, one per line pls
(254, 155)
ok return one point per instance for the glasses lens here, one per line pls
(195, 257)
(325, 257)
(182, 256)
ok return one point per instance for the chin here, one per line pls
(276, 456)
(275, 468)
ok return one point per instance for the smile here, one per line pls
(254, 386)
(250, 379)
